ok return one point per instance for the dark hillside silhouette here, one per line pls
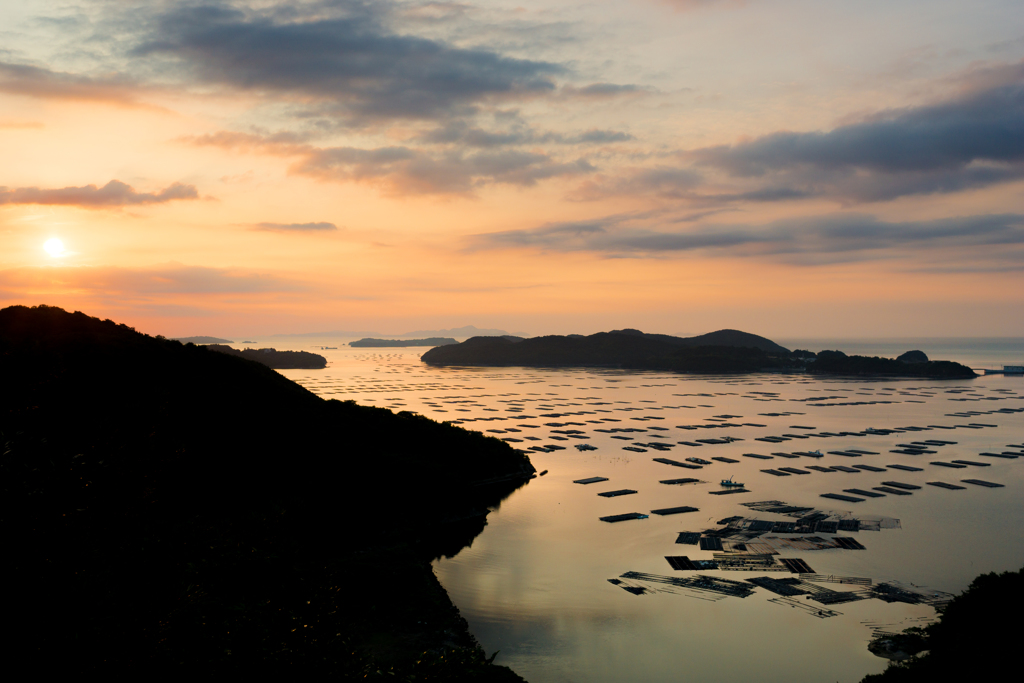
(167, 507)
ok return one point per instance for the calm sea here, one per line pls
(535, 584)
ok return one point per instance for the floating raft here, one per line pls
(819, 468)
(862, 492)
(777, 473)
(728, 460)
(700, 582)
(971, 462)
(793, 470)
(623, 518)
(839, 496)
(1007, 456)
(591, 480)
(688, 537)
(895, 492)
(676, 463)
(616, 493)
(786, 587)
(710, 543)
(844, 468)
(674, 511)
(688, 480)
(726, 492)
(685, 564)
(757, 455)
(944, 485)
(870, 468)
(981, 482)
(795, 565)
(901, 485)
(905, 468)
(953, 465)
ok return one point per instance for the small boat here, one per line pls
(699, 461)
(730, 482)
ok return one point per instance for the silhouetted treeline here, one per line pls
(272, 358)
(975, 637)
(170, 508)
(429, 341)
(838, 363)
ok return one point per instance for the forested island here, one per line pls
(272, 358)
(721, 352)
(430, 341)
(170, 509)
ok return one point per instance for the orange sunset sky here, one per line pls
(789, 168)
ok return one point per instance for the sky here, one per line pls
(791, 168)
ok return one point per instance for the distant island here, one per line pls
(170, 508)
(430, 341)
(721, 352)
(279, 360)
(203, 340)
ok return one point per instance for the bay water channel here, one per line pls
(535, 585)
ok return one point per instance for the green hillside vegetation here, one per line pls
(169, 508)
(974, 638)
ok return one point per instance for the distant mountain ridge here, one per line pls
(464, 332)
(202, 340)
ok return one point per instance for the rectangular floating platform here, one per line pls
(905, 468)
(726, 492)
(690, 443)
(819, 468)
(674, 511)
(971, 462)
(793, 470)
(687, 480)
(839, 496)
(688, 537)
(870, 468)
(844, 468)
(777, 473)
(685, 564)
(944, 485)
(676, 463)
(623, 518)
(847, 543)
(901, 485)
(786, 455)
(590, 480)
(953, 465)
(848, 454)
(778, 586)
(980, 482)
(724, 459)
(892, 491)
(862, 492)
(857, 450)
(1000, 455)
(616, 494)
(795, 565)
(757, 455)
(710, 543)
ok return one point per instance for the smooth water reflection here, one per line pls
(534, 584)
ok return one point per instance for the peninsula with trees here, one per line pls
(721, 352)
(170, 508)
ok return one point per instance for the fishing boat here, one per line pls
(730, 482)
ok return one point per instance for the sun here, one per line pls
(54, 247)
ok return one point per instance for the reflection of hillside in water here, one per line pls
(535, 583)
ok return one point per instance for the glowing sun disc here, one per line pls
(54, 247)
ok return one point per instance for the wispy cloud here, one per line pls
(171, 278)
(112, 195)
(845, 236)
(42, 83)
(341, 59)
(297, 227)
